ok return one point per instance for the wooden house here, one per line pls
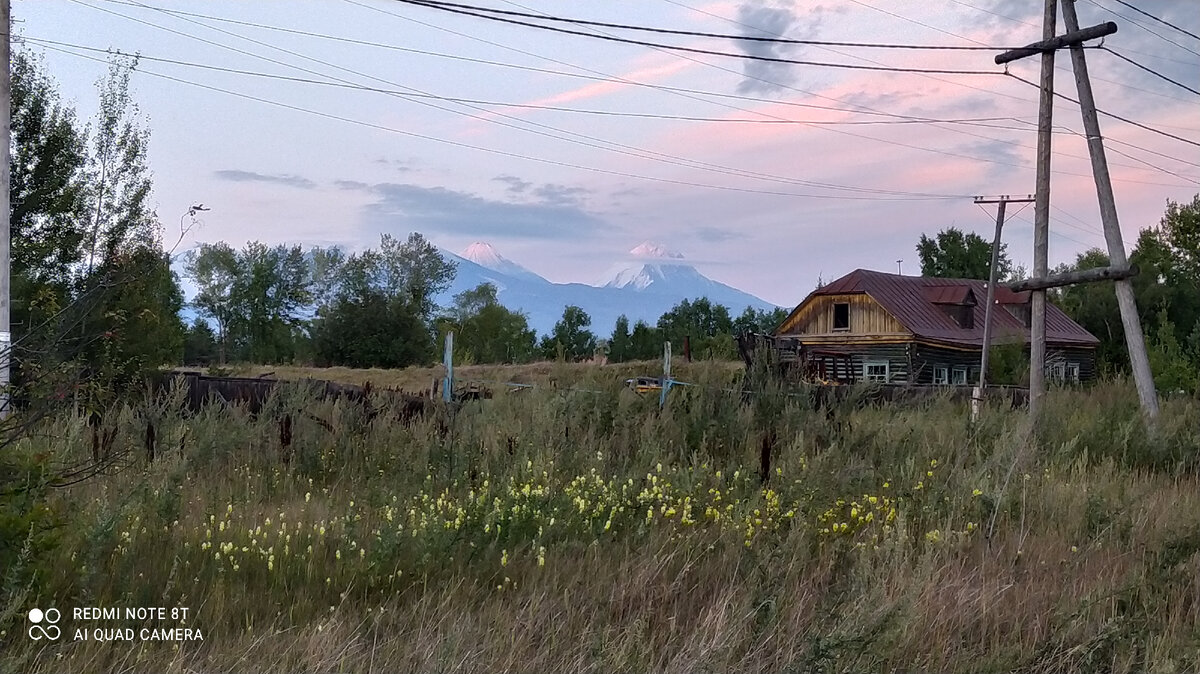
(888, 328)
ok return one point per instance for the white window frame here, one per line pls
(954, 375)
(887, 370)
(1073, 372)
(941, 375)
(1057, 371)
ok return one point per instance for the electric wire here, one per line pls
(960, 131)
(693, 33)
(897, 143)
(973, 121)
(696, 50)
(1146, 28)
(1057, 67)
(1033, 126)
(627, 150)
(747, 174)
(1145, 127)
(563, 73)
(838, 131)
(1158, 19)
(504, 153)
(1150, 70)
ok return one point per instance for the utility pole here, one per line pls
(1002, 204)
(5, 209)
(1041, 231)
(1134, 339)
(1041, 224)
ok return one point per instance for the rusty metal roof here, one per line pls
(960, 294)
(913, 301)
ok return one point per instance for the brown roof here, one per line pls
(914, 300)
(950, 295)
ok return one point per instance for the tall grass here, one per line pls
(569, 531)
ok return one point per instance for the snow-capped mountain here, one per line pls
(645, 285)
(650, 264)
(484, 255)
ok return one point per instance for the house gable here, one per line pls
(858, 315)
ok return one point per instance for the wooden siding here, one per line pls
(928, 356)
(1085, 356)
(895, 354)
(866, 317)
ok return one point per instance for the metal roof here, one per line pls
(913, 300)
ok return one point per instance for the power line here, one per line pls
(610, 113)
(693, 33)
(1117, 117)
(1151, 166)
(1158, 19)
(974, 121)
(617, 147)
(638, 152)
(900, 144)
(687, 93)
(503, 153)
(563, 73)
(1150, 70)
(1059, 68)
(1143, 26)
(695, 50)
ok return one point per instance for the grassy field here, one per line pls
(569, 531)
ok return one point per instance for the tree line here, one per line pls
(377, 309)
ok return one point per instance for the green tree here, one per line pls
(953, 254)
(371, 329)
(570, 336)
(620, 345)
(271, 286)
(47, 188)
(139, 324)
(645, 342)
(199, 344)
(214, 269)
(1171, 362)
(398, 281)
(487, 332)
(119, 181)
(759, 321)
(132, 298)
(413, 268)
(1094, 306)
(707, 326)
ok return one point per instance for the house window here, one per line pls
(841, 316)
(960, 376)
(1057, 371)
(1073, 372)
(941, 375)
(876, 370)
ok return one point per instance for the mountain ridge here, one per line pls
(644, 286)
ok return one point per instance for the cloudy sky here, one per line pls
(332, 121)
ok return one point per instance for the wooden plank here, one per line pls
(1074, 277)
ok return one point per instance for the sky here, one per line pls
(767, 176)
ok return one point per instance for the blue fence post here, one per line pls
(448, 361)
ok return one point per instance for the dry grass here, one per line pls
(519, 540)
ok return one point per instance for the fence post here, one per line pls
(666, 380)
(448, 361)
